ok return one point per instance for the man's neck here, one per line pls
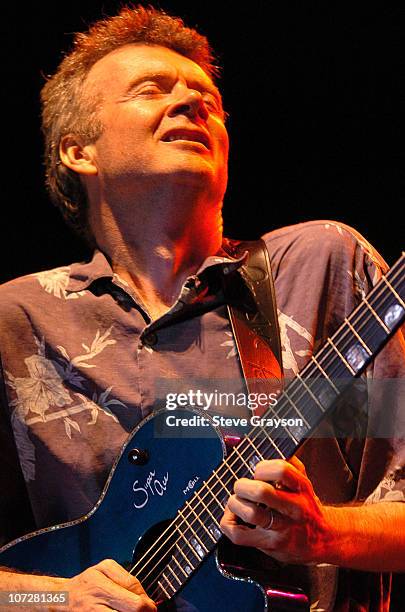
(155, 255)
(157, 269)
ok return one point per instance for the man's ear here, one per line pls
(76, 156)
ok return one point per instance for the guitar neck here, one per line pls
(343, 357)
(306, 400)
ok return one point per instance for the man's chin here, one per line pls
(200, 175)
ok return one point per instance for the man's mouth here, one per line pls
(190, 135)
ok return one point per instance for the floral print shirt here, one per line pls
(83, 365)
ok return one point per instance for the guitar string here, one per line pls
(370, 317)
(174, 558)
(375, 297)
(241, 457)
(199, 492)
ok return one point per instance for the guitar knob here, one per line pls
(138, 456)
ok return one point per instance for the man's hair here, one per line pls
(68, 109)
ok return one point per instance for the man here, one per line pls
(137, 161)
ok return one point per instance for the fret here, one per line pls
(381, 322)
(198, 519)
(357, 354)
(318, 365)
(215, 530)
(277, 416)
(210, 490)
(221, 481)
(200, 500)
(255, 450)
(196, 555)
(189, 565)
(200, 542)
(290, 436)
(297, 433)
(310, 392)
(294, 439)
(175, 575)
(371, 332)
(272, 441)
(359, 338)
(349, 367)
(236, 463)
(179, 566)
(256, 456)
(230, 469)
(235, 450)
(285, 394)
(400, 300)
(163, 588)
(325, 392)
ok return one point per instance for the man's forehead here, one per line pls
(137, 59)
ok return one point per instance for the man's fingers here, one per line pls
(108, 586)
(119, 598)
(246, 536)
(228, 518)
(298, 464)
(288, 475)
(258, 515)
(120, 576)
(285, 502)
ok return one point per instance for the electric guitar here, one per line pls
(160, 509)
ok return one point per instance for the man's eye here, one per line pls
(149, 90)
(212, 103)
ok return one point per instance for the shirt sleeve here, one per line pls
(16, 516)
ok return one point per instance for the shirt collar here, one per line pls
(83, 274)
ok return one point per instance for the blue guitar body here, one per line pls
(135, 499)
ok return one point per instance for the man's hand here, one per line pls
(290, 522)
(107, 586)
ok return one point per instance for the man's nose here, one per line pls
(190, 103)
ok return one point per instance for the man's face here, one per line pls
(162, 119)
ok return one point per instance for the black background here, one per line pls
(315, 102)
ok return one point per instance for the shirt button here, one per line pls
(151, 339)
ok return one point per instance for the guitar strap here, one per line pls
(253, 314)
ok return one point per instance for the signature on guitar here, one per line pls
(190, 484)
(153, 486)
